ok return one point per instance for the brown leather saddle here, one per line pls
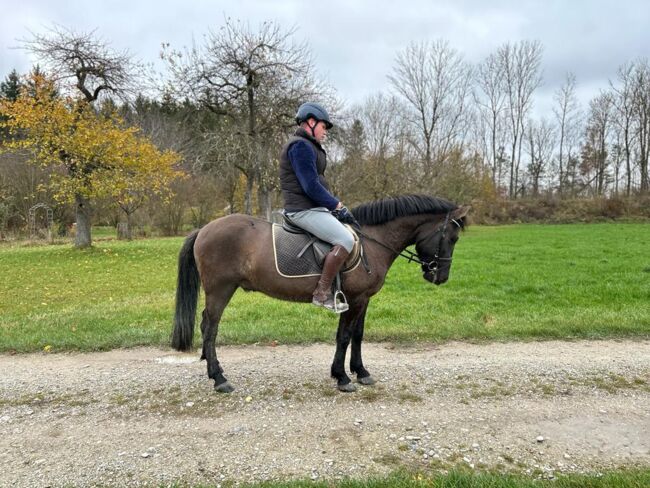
(299, 254)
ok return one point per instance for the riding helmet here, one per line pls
(313, 110)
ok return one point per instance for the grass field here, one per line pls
(510, 282)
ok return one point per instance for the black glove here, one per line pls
(344, 215)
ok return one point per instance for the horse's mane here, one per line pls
(387, 209)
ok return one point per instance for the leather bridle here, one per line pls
(432, 266)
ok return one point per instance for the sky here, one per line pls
(354, 43)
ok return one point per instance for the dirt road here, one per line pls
(149, 417)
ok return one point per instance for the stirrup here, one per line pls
(340, 306)
(332, 303)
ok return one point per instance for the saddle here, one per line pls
(299, 254)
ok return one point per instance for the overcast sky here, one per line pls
(354, 43)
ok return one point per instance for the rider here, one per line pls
(308, 201)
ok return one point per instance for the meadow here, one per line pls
(516, 282)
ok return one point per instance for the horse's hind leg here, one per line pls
(215, 303)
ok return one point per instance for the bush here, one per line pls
(555, 210)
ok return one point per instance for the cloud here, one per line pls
(355, 43)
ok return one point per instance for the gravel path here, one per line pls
(148, 417)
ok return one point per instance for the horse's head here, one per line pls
(435, 245)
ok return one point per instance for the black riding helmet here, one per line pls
(313, 110)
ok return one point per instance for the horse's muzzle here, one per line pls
(434, 278)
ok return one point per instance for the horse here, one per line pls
(236, 251)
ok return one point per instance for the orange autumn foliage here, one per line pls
(93, 155)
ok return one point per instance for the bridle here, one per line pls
(432, 266)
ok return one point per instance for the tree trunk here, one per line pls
(628, 165)
(264, 202)
(129, 227)
(494, 150)
(513, 155)
(83, 215)
(248, 196)
(561, 175)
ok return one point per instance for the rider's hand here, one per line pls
(345, 216)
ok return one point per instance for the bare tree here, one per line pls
(435, 82)
(641, 113)
(595, 148)
(254, 78)
(384, 172)
(567, 116)
(541, 142)
(623, 104)
(490, 98)
(83, 63)
(520, 64)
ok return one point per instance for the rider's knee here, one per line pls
(346, 241)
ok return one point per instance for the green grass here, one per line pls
(104, 232)
(466, 479)
(510, 282)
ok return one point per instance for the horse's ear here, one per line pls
(461, 212)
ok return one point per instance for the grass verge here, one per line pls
(520, 282)
(466, 479)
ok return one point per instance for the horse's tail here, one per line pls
(187, 294)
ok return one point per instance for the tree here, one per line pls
(10, 88)
(255, 79)
(541, 141)
(490, 98)
(81, 63)
(641, 114)
(567, 116)
(623, 104)
(520, 65)
(435, 82)
(595, 148)
(91, 155)
(347, 177)
(384, 171)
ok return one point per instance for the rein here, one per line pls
(432, 265)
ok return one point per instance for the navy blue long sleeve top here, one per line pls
(303, 161)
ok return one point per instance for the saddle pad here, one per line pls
(287, 246)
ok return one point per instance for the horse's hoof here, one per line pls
(224, 387)
(349, 388)
(368, 380)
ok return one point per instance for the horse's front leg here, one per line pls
(356, 363)
(343, 336)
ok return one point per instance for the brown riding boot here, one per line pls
(323, 296)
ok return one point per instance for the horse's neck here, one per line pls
(400, 233)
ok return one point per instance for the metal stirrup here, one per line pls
(338, 303)
(338, 292)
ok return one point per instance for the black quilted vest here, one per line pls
(292, 193)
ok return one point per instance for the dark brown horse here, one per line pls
(236, 252)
